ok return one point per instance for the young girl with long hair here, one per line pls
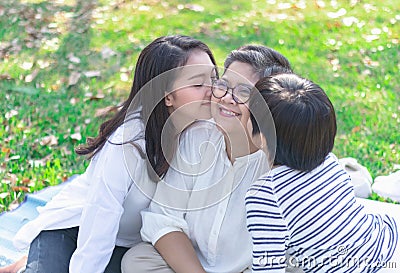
(95, 219)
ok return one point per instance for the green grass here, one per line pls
(42, 41)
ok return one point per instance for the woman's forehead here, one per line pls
(240, 73)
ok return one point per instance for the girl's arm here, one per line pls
(166, 228)
(103, 209)
(177, 250)
(164, 223)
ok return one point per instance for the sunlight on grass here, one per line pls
(65, 61)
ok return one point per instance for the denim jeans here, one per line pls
(51, 252)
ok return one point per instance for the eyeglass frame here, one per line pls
(214, 80)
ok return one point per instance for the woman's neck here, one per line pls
(238, 145)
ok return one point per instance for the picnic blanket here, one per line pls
(12, 221)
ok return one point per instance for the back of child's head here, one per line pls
(304, 117)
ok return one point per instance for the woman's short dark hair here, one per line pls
(260, 57)
(161, 55)
(304, 117)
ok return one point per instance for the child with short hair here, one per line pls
(305, 206)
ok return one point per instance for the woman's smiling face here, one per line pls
(231, 116)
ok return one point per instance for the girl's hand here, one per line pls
(15, 267)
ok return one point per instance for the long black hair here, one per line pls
(163, 54)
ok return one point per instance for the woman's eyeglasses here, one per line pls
(240, 93)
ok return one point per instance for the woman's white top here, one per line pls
(203, 195)
(104, 202)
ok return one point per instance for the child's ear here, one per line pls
(169, 99)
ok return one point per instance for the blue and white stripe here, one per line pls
(315, 219)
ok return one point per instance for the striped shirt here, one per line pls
(315, 219)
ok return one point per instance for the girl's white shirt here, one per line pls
(105, 202)
(203, 195)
